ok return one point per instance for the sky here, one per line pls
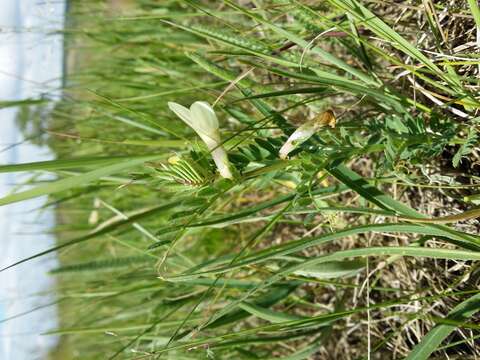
(30, 65)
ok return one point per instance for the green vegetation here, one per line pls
(361, 244)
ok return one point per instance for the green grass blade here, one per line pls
(384, 201)
(74, 181)
(434, 338)
(53, 165)
(267, 314)
(302, 244)
(304, 44)
(476, 14)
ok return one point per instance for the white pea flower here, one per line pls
(201, 118)
(305, 131)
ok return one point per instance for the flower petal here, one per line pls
(302, 134)
(220, 157)
(204, 117)
(182, 112)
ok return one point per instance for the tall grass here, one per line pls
(360, 245)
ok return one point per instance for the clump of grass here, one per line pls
(346, 249)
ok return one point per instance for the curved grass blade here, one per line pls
(358, 184)
(434, 338)
(466, 215)
(328, 56)
(333, 270)
(302, 244)
(290, 326)
(310, 90)
(53, 165)
(267, 314)
(360, 252)
(74, 181)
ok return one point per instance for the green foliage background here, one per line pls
(290, 256)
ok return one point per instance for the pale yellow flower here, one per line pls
(305, 131)
(201, 118)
